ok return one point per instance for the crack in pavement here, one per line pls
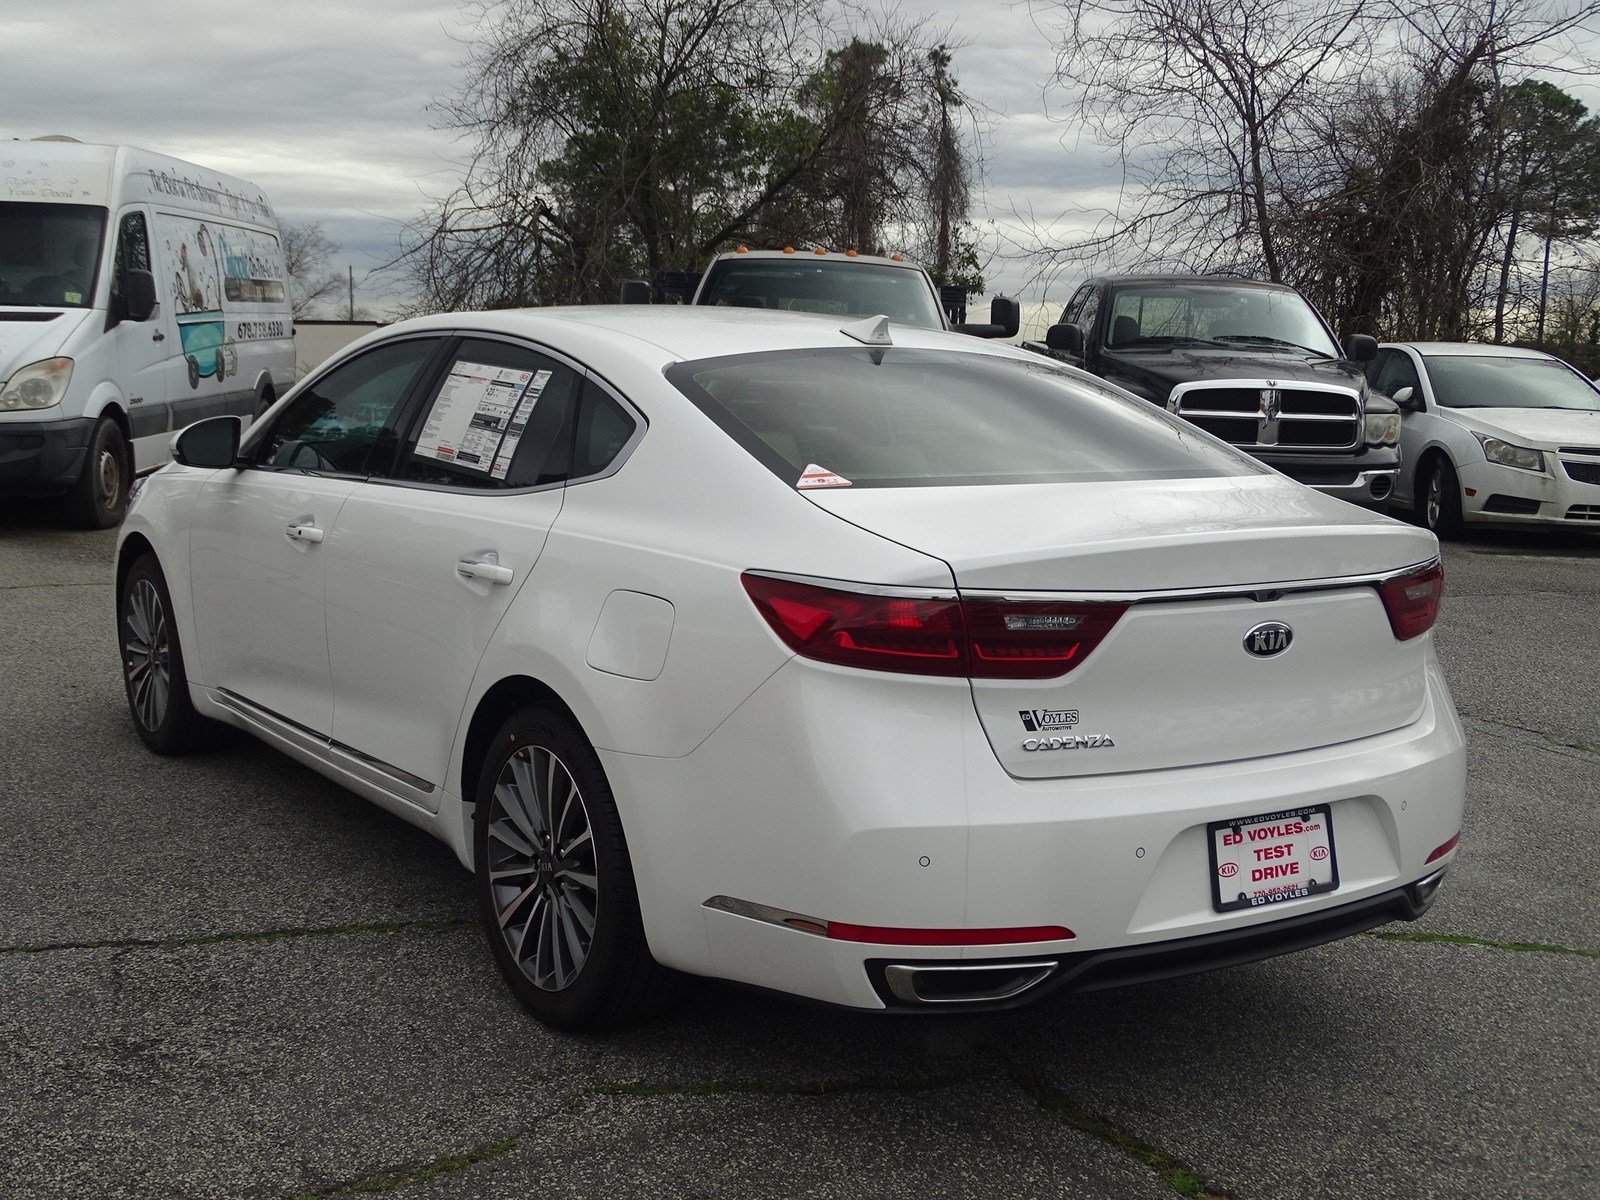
(1056, 1104)
(21, 587)
(1553, 744)
(259, 935)
(1458, 939)
(1051, 1102)
(389, 1179)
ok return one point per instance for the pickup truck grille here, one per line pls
(1269, 414)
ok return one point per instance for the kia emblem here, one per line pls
(1268, 639)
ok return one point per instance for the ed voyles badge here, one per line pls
(820, 477)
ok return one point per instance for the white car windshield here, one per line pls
(1156, 315)
(926, 418)
(1482, 381)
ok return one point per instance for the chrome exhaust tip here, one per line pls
(980, 983)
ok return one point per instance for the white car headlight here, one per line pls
(1381, 428)
(37, 385)
(1507, 455)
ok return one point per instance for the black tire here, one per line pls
(99, 497)
(263, 402)
(147, 637)
(616, 981)
(1439, 497)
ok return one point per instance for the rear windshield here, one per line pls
(926, 418)
(837, 289)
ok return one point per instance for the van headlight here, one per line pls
(37, 385)
(1507, 455)
(1381, 428)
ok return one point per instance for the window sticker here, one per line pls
(479, 415)
(820, 477)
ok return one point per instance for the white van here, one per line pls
(138, 294)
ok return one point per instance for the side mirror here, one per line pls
(635, 291)
(141, 297)
(1006, 315)
(1065, 337)
(212, 443)
(1404, 398)
(1360, 347)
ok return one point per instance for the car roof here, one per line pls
(1464, 349)
(811, 256)
(666, 333)
(1231, 280)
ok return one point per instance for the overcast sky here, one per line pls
(325, 105)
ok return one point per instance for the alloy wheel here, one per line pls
(147, 653)
(1435, 501)
(542, 868)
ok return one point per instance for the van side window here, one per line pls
(346, 417)
(501, 417)
(133, 254)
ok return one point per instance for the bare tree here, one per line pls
(307, 251)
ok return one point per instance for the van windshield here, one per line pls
(49, 254)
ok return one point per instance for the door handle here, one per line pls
(158, 336)
(486, 567)
(303, 533)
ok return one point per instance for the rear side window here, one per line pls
(500, 417)
(345, 418)
(604, 429)
(923, 418)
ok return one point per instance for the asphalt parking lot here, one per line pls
(223, 976)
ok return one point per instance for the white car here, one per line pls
(1493, 435)
(870, 664)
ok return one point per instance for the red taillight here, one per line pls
(858, 629)
(1026, 639)
(1412, 600)
(885, 936)
(1441, 851)
(982, 639)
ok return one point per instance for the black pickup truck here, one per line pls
(1253, 363)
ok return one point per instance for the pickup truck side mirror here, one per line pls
(212, 443)
(140, 300)
(1360, 347)
(1005, 318)
(1404, 398)
(635, 291)
(1065, 337)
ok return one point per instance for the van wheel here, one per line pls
(152, 665)
(263, 402)
(194, 372)
(99, 498)
(555, 882)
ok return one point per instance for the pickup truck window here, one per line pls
(1169, 314)
(836, 289)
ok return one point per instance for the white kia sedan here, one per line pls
(869, 664)
(1493, 435)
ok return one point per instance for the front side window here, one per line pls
(500, 417)
(50, 254)
(836, 289)
(345, 420)
(1160, 314)
(928, 418)
(133, 254)
(1482, 381)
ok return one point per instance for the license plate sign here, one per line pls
(1258, 861)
